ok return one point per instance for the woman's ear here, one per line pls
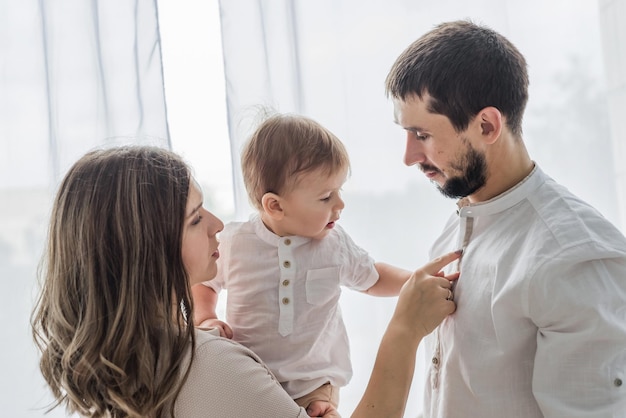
(491, 124)
(271, 206)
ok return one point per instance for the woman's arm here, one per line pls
(422, 305)
(228, 380)
(204, 316)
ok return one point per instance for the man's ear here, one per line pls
(491, 124)
(271, 206)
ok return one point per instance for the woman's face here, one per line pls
(200, 246)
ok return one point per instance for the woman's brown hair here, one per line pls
(110, 320)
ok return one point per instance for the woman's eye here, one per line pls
(325, 199)
(197, 220)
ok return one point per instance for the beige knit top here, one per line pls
(229, 380)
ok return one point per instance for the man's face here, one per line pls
(445, 156)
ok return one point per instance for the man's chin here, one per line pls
(447, 194)
(452, 190)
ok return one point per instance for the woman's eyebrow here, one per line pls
(194, 210)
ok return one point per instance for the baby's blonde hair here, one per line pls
(284, 147)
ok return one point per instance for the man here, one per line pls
(540, 326)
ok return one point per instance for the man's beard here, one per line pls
(474, 169)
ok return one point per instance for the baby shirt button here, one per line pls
(617, 382)
(286, 264)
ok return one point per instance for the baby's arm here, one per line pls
(204, 316)
(390, 280)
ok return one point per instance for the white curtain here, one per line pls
(74, 74)
(328, 60)
(612, 26)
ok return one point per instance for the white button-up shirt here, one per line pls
(540, 325)
(283, 300)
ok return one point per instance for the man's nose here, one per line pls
(413, 153)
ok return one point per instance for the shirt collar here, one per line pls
(505, 200)
(271, 238)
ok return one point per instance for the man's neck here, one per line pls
(508, 163)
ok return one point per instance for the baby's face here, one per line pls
(314, 204)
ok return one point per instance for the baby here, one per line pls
(283, 268)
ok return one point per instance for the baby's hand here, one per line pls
(225, 330)
(322, 409)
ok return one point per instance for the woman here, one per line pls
(128, 238)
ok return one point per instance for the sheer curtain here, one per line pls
(328, 59)
(612, 23)
(75, 74)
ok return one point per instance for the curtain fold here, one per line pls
(261, 47)
(612, 24)
(74, 75)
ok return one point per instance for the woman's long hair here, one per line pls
(110, 321)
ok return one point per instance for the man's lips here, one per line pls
(429, 171)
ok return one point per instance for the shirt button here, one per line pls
(287, 264)
(285, 301)
(435, 361)
(285, 282)
(287, 241)
(617, 382)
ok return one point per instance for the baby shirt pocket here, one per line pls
(322, 285)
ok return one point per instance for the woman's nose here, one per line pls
(215, 224)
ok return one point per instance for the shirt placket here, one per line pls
(466, 226)
(287, 267)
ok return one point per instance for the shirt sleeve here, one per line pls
(228, 380)
(357, 270)
(580, 310)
